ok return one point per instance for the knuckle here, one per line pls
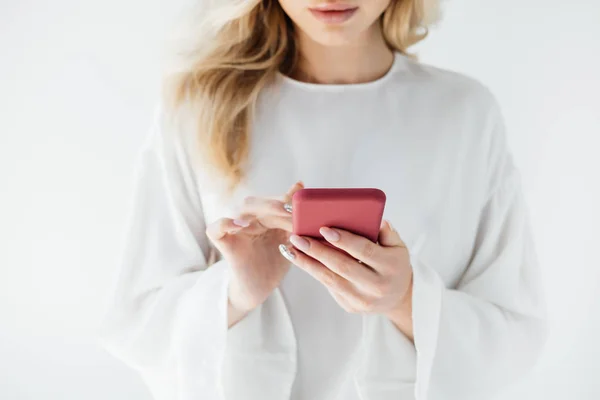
(388, 260)
(344, 268)
(316, 252)
(368, 249)
(274, 204)
(278, 208)
(365, 304)
(249, 201)
(329, 280)
(382, 289)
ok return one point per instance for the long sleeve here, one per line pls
(168, 315)
(167, 304)
(478, 337)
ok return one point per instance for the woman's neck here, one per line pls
(363, 61)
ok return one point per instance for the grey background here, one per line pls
(78, 84)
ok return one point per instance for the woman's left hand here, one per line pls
(375, 278)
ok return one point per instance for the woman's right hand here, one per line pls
(250, 243)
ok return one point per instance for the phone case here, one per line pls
(357, 210)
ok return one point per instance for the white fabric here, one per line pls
(433, 140)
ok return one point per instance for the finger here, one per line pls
(338, 262)
(252, 226)
(259, 225)
(357, 246)
(221, 227)
(284, 224)
(389, 237)
(288, 195)
(261, 206)
(317, 270)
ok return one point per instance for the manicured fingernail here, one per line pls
(286, 252)
(288, 207)
(241, 222)
(300, 243)
(329, 234)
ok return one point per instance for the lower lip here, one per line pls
(334, 17)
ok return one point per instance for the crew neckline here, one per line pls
(398, 60)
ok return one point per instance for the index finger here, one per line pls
(260, 207)
(221, 227)
(286, 199)
(336, 261)
(357, 246)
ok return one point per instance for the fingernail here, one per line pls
(288, 207)
(241, 222)
(286, 252)
(300, 243)
(329, 234)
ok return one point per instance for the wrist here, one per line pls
(236, 310)
(401, 315)
(236, 300)
(234, 315)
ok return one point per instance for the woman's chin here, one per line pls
(334, 36)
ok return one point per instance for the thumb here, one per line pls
(389, 237)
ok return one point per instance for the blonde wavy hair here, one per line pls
(237, 51)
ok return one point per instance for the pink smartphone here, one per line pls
(356, 210)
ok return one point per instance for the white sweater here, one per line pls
(433, 140)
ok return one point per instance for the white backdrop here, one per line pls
(78, 83)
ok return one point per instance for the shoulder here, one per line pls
(469, 111)
(456, 99)
(449, 88)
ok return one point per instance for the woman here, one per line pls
(446, 306)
